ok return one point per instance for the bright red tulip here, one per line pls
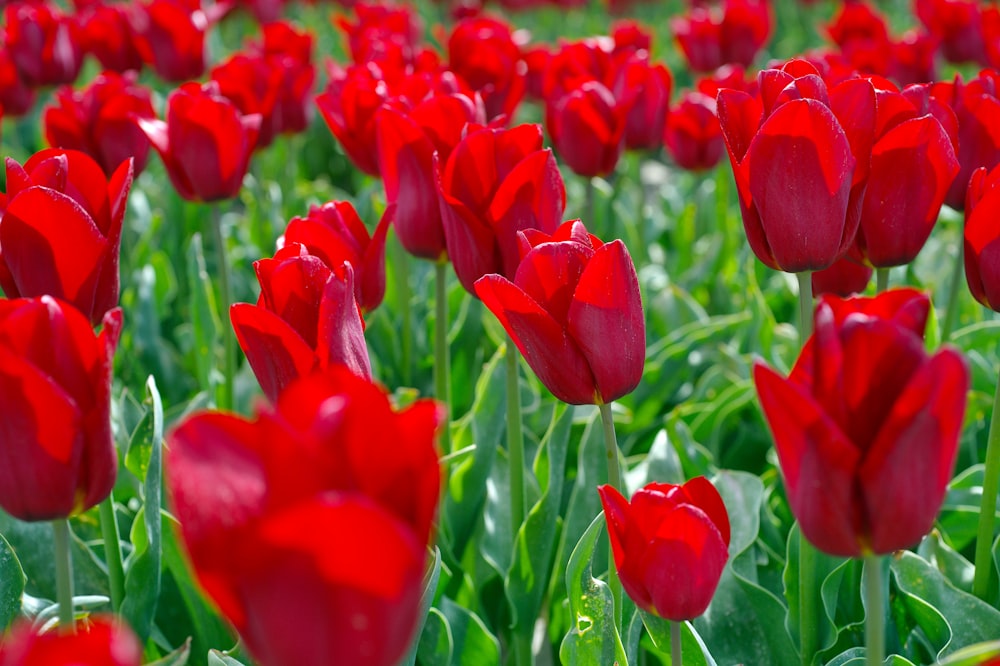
(670, 545)
(866, 426)
(913, 58)
(486, 54)
(16, 96)
(710, 38)
(348, 106)
(170, 37)
(45, 44)
(574, 311)
(958, 24)
(61, 230)
(306, 319)
(205, 143)
(692, 134)
(982, 237)
(108, 34)
(347, 461)
(58, 456)
(290, 50)
(334, 233)
(98, 641)
(587, 127)
(497, 183)
(100, 121)
(252, 83)
(383, 33)
(862, 34)
(800, 153)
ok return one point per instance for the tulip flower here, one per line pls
(670, 545)
(108, 35)
(485, 53)
(305, 319)
(205, 143)
(587, 126)
(574, 311)
(800, 155)
(252, 83)
(866, 426)
(647, 88)
(170, 36)
(734, 34)
(982, 249)
(348, 106)
(347, 461)
(862, 34)
(16, 96)
(844, 278)
(61, 230)
(100, 121)
(334, 233)
(383, 34)
(44, 44)
(98, 641)
(57, 456)
(958, 26)
(497, 183)
(692, 134)
(289, 50)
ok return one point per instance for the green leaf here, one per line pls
(856, 657)
(431, 578)
(142, 580)
(827, 569)
(11, 585)
(178, 657)
(204, 318)
(436, 644)
(528, 577)
(216, 658)
(472, 643)
(973, 655)
(841, 595)
(693, 650)
(593, 637)
(969, 620)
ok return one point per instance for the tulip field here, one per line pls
(521, 332)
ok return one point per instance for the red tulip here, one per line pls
(536, 61)
(670, 545)
(367, 474)
(100, 121)
(587, 127)
(958, 25)
(170, 37)
(646, 87)
(866, 426)
(44, 44)
(58, 457)
(576, 63)
(61, 230)
(98, 641)
(844, 278)
(485, 53)
(800, 154)
(631, 36)
(348, 106)
(289, 50)
(205, 143)
(334, 233)
(692, 134)
(574, 311)
(383, 33)
(108, 34)
(16, 96)
(982, 233)
(861, 32)
(913, 58)
(252, 83)
(710, 39)
(305, 319)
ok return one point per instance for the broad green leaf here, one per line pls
(856, 657)
(593, 637)
(841, 594)
(969, 619)
(431, 578)
(827, 571)
(958, 570)
(973, 655)
(496, 544)
(528, 577)
(178, 657)
(693, 650)
(436, 646)
(216, 658)
(959, 518)
(473, 644)
(11, 585)
(142, 580)
(204, 314)
(661, 465)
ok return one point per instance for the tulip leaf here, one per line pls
(593, 637)
(11, 585)
(661, 464)
(142, 580)
(958, 570)
(856, 657)
(431, 578)
(436, 645)
(693, 649)
(973, 655)
(841, 595)
(205, 322)
(178, 657)
(829, 576)
(959, 517)
(216, 658)
(496, 544)
(745, 623)
(528, 577)
(969, 619)
(472, 643)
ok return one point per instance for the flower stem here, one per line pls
(874, 615)
(515, 440)
(113, 552)
(805, 305)
(808, 601)
(881, 280)
(442, 362)
(64, 575)
(615, 481)
(951, 313)
(675, 644)
(401, 271)
(987, 508)
(225, 300)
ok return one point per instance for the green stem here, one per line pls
(805, 305)
(515, 440)
(808, 601)
(225, 300)
(113, 552)
(987, 508)
(589, 194)
(522, 649)
(401, 271)
(442, 362)
(874, 615)
(951, 313)
(615, 480)
(881, 280)
(675, 644)
(64, 575)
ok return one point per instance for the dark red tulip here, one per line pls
(497, 183)
(411, 145)
(536, 60)
(866, 426)
(732, 34)
(170, 37)
(982, 237)
(61, 230)
(574, 311)
(348, 106)
(347, 461)
(647, 87)
(485, 53)
(383, 33)
(862, 34)
(587, 127)
(844, 278)
(958, 25)
(98, 641)
(576, 63)
(58, 456)
(252, 83)
(45, 44)
(16, 96)
(913, 58)
(100, 121)
(334, 233)
(306, 319)
(205, 143)
(108, 34)
(631, 36)
(290, 51)
(800, 154)
(692, 134)
(670, 545)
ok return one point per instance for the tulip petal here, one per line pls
(341, 333)
(276, 353)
